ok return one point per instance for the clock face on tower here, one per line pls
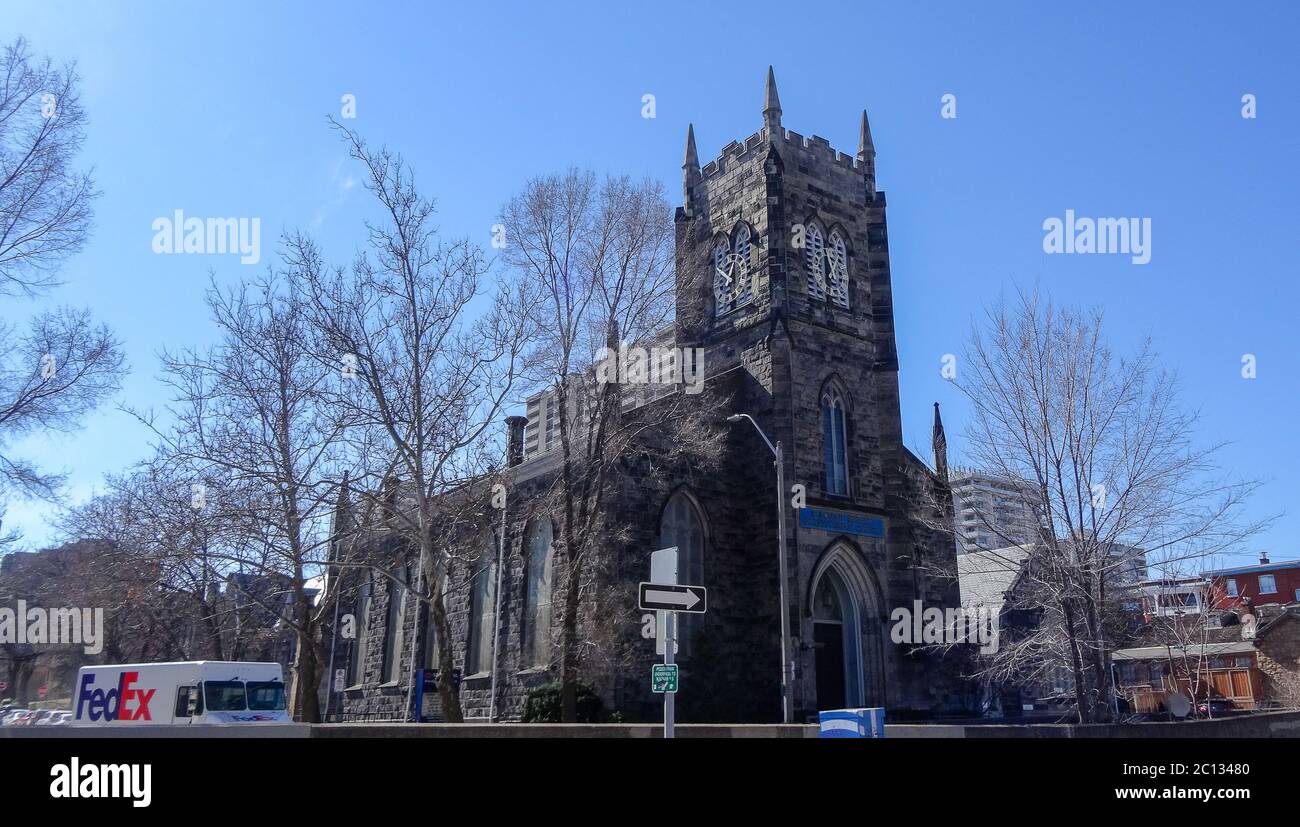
(731, 273)
(827, 265)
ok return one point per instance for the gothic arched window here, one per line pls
(683, 527)
(394, 631)
(537, 597)
(482, 609)
(834, 440)
(814, 253)
(357, 664)
(837, 269)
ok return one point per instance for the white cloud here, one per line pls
(341, 183)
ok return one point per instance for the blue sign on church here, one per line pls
(841, 523)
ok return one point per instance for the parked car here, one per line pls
(10, 715)
(45, 717)
(1215, 706)
(24, 718)
(60, 719)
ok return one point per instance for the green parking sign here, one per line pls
(663, 678)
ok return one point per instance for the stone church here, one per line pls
(796, 324)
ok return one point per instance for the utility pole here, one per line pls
(787, 666)
(496, 620)
(783, 614)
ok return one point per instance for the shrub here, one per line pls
(542, 706)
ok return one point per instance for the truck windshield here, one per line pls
(265, 695)
(224, 696)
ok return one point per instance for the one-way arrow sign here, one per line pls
(660, 596)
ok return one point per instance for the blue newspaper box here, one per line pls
(853, 723)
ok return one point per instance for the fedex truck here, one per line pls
(194, 693)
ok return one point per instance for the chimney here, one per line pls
(515, 440)
(1263, 558)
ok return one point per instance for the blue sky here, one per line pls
(1126, 109)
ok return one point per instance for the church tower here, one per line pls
(783, 248)
(783, 273)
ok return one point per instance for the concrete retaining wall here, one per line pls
(162, 731)
(1261, 725)
(560, 731)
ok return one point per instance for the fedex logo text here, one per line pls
(123, 702)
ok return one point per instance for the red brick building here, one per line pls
(1262, 584)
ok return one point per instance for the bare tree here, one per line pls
(89, 574)
(158, 581)
(431, 361)
(44, 202)
(600, 255)
(27, 581)
(253, 412)
(1117, 478)
(62, 367)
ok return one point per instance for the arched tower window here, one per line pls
(834, 441)
(683, 527)
(537, 597)
(837, 269)
(815, 261)
(744, 288)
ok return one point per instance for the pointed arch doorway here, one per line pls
(843, 606)
(839, 662)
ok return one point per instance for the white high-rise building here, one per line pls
(991, 512)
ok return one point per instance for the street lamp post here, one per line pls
(787, 694)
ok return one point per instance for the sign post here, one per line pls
(663, 571)
(665, 597)
(670, 698)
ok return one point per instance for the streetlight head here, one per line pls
(735, 418)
